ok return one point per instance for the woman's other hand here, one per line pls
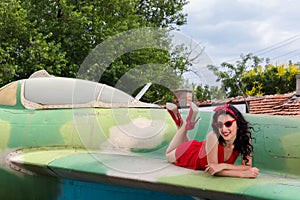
(213, 168)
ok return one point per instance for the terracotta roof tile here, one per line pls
(278, 104)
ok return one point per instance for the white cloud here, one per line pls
(228, 28)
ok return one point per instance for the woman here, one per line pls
(216, 155)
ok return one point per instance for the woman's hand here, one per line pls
(214, 168)
(251, 173)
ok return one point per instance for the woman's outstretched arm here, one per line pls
(251, 172)
(223, 169)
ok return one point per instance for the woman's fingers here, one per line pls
(206, 169)
(210, 170)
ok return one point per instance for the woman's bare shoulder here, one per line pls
(211, 136)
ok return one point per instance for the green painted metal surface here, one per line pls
(124, 147)
(113, 166)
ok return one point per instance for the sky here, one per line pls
(229, 28)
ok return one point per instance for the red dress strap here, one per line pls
(232, 157)
(220, 153)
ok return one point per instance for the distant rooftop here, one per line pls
(278, 104)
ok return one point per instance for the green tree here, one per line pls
(22, 46)
(249, 77)
(271, 79)
(202, 92)
(230, 74)
(166, 14)
(57, 35)
(205, 92)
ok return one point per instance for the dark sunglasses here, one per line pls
(221, 124)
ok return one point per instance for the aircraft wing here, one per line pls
(147, 171)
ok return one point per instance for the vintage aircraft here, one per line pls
(64, 138)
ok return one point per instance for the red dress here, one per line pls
(192, 155)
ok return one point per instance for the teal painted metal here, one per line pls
(73, 189)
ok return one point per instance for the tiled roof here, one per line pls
(279, 104)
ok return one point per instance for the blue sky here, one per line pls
(229, 28)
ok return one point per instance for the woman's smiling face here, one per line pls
(227, 127)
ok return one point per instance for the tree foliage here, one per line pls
(24, 49)
(249, 77)
(57, 35)
(205, 92)
(230, 74)
(271, 79)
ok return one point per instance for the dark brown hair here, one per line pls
(242, 143)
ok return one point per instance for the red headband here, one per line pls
(226, 109)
